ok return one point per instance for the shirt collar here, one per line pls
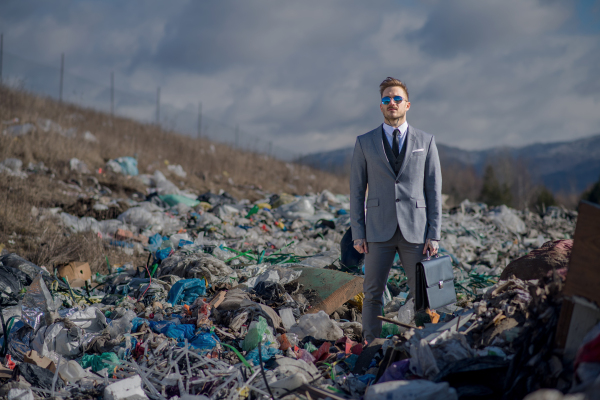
(389, 130)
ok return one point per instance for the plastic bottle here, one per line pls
(71, 371)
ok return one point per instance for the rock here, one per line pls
(537, 264)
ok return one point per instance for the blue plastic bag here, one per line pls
(268, 352)
(183, 242)
(169, 329)
(204, 341)
(137, 322)
(162, 254)
(128, 165)
(186, 291)
(154, 242)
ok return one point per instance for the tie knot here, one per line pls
(396, 132)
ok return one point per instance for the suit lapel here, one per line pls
(378, 143)
(410, 144)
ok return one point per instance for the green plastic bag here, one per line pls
(389, 329)
(174, 199)
(310, 347)
(255, 335)
(252, 211)
(97, 361)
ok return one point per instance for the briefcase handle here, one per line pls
(429, 257)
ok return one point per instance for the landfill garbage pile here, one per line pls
(241, 299)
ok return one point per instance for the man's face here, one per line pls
(394, 111)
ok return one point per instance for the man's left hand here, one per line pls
(432, 246)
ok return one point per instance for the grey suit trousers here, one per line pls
(378, 262)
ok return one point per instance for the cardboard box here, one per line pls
(76, 272)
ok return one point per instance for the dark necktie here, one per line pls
(396, 143)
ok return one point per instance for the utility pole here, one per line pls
(158, 106)
(62, 72)
(112, 94)
(237, 136)
(1, 54)
(199, 120)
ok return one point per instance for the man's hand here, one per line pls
(431, 245)
(361, 246)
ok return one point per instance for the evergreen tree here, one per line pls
(493, 193)
(593, 195)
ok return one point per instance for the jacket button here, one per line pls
(397, 200)
(398, 181)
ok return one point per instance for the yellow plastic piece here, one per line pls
(264, 205)
(206, 206)
(357, 301)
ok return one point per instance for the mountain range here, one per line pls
(569, 167)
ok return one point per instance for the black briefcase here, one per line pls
(434, 283)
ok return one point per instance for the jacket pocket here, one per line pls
(372, 203)
(421, 203)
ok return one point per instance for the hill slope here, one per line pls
(566, 166)
(45, 136)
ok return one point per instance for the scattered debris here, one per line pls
(241, 299)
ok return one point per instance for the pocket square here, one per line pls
(414, 151)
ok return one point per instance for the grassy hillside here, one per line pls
(209, 166)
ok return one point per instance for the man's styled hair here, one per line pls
(389, 82)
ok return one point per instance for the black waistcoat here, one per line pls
(395, 162)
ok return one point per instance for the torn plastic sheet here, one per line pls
(19, 340)
(39, 307)
(58, 338)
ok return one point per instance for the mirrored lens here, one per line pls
(386, 100)
(398, 99)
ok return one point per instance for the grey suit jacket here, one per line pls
(412, 200)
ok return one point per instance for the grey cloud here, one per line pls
(298, 73)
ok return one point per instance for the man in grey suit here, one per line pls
(399, 166)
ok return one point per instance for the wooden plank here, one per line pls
(583, 278)
(332, 288)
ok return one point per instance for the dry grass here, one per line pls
(210, 166)
(153, 147)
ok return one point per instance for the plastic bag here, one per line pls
(406, 313)
(267, 353)
(154, 242)
(186, 291)
(96, 361)
(318, 326)
(395, 372)
(422, 361)
(255, 334)
(38, 305)
(177, 332)
(389, 330)
(287, 317)
(205, 341)
(124, 165)
(122, 325)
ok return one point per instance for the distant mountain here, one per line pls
(564, 166)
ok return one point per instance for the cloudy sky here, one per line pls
(305, 74)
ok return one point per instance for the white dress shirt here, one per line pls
(389, 134)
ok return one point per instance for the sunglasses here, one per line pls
(387, 100)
